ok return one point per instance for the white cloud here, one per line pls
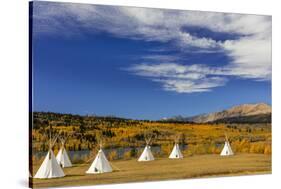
(181, 78)
(191, 86)
(251, 58)
(163, 58)
(187, 39)
(250, 53)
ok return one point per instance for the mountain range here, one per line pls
(245, 113)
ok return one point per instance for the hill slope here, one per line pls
(260, 112)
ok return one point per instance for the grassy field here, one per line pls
(163, 169)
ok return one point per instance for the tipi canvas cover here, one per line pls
(176, 153)
(49, 168)
(100, 164)
(227, 151)
(146, 154)
(63, 159)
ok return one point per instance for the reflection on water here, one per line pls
(85, 154)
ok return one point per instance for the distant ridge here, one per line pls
(244, 113)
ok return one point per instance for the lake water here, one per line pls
(85, 154)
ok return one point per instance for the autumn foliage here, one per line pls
(87, 131)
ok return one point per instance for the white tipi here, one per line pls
(100, 164)
(62, 156)
(226, 151)
(146, 154)
(176, 152)
(50, 167)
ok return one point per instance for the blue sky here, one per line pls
(147, 63)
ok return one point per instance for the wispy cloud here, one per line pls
(249, 53)
(181, 78)
(160, 58)
(191, 86)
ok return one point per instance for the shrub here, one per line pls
(112, 155)
(201, 149)
(257, 148)
(166, 149)
(212, 149)
(127, 155)
(133, 152)
(267, 149)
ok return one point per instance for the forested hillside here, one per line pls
(85, 133)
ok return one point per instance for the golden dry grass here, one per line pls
(163, 169)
